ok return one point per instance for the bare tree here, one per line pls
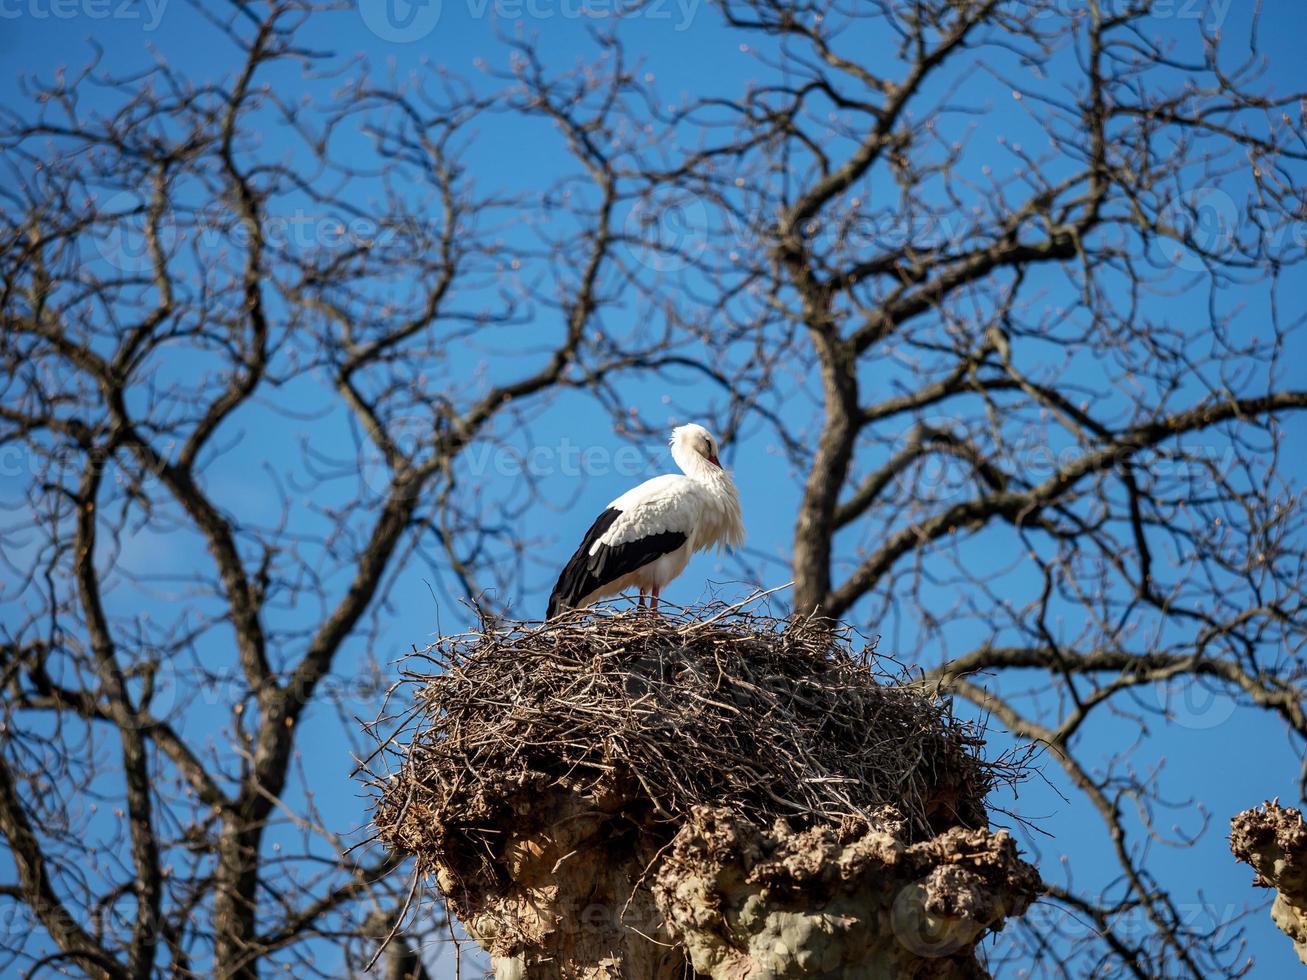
(900, 321)
(1018, 452)
(171, 282)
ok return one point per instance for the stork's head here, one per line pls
(694, 439)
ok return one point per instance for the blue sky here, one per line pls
(1211, 754)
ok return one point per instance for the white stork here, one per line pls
(646, 536)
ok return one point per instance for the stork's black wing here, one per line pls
(586, 572)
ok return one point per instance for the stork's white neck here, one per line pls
(720, 523)
(696, 467)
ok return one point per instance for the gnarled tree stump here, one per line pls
(645, 798)
(1273, 839)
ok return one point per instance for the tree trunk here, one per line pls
(1273, 839)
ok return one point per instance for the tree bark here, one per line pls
(1273, 839)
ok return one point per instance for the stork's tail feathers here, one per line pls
(578, 576)
(555, 605)
(568, 590)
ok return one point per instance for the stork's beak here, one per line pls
(714, 461)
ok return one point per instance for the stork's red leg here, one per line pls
(654, 604)
(640, 604)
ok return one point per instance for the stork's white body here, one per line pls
(646, 536)
(665, 503)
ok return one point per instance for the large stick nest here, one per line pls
(771, 718)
